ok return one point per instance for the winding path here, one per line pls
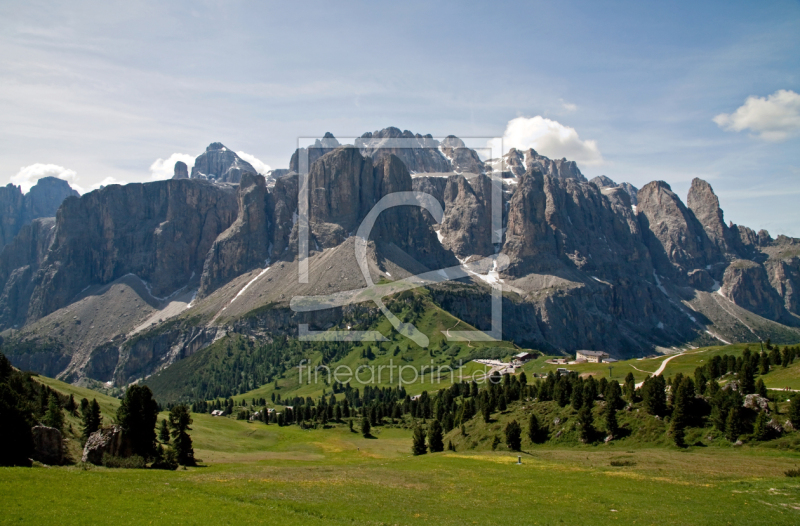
(662, 366)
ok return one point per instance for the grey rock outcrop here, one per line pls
(245, 244)
(703, 202)
(110, 440)
(18, 210)
(462, 159)
(19, 262)
(47, 445)
(303, 158)
(746, 284)
(419, 153)
(467, 225)
(181, 170)
(518, 162)
(675, 238)
(220, 164)
(159, 231)
(601, 181)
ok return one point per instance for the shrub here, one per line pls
(133, 462)
(792, 473)
(622, 463)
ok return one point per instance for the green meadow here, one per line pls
(253, 473)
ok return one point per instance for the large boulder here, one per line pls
(111, 440)
(47, 447)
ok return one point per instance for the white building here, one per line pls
(591, 356)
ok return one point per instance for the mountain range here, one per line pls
(121, 282)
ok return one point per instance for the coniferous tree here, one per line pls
(534, 431)
(747, 383)
(612, 427)
(163, 432)
(92, 418)
(54, 417)
(513, 433)
(733, 424)
(366, 427)
(435, 437)
(586, 421)
(16, 440)
(794, 411)
(179, 421)
(630, 387)
(761, 389)
(418, 446)
(137, 414)
(760, 428)
(763, 363)
(654, 397)
(680, 410)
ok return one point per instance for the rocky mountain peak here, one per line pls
(42, 200)
(220, 164)
(181, 170)
(703, 202)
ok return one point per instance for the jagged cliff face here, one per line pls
(18, 210)
(161, 232)
(588, 267)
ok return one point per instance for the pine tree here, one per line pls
(794, 411)
(366, 427)
(54, 417)
(654, 397)
(760, 428)
(435, 437)
(138, 414)
(179, 421)
(418, 446)
(761, 389)
(680, 410)
(747, 383)
(586, 422)
(163, 432)
(534, 431)
(92, 418)
(612, 427)
(487, 413)
(733, 424)
(763, 363)
(513, 434)
(630, 387)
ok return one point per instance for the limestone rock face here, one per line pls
(19, 262)
(181, 170)
(601, 181)
(530, 243)
(784, 275)
(284, 213)
(244, 245)
(462, 159)
(705, 205)
(111, 440)
(303, 158)
(673, 235)
(419, 154)
(47, 446)
(341, 192)
(17, 210)
(159, 231)
(467, 225)
(518, 162)
(220, 164)
(747, 285)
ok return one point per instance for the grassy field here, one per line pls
(253, 473)
(256, 474)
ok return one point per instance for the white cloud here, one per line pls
(28, 175)
(772, 118)
(550, 138)
(107, 181)
(165, 168)
(260, 167)
(568, 105)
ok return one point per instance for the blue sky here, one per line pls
(104, 89)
